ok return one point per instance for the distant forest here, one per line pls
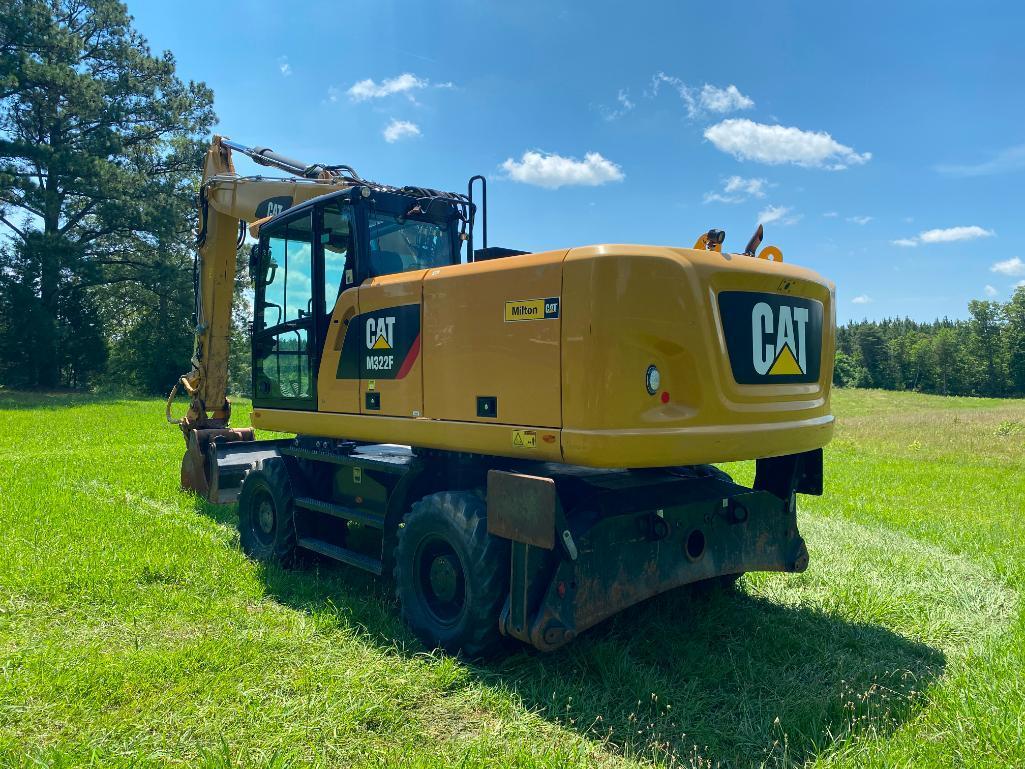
(984, 355)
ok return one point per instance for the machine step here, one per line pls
(360, 561)
(372, 520)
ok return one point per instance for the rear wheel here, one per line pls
(266, 525)
(451, 576)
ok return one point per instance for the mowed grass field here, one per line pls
(133, 632)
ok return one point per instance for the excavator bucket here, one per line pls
(201, 471)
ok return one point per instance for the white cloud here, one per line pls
(368, 89)
(1011, 267)
(1010, 159)
(862, 299)
(625, 106)
(948, 235)
(1019, 284)
(284, 67)
(859, 219)
(737, 189)
(400, 129)
(831, 214)
(951, 234)
(990, 290)
(545, 169)
(723, 100)
(708, 98)
(776, 144)
(779, 214)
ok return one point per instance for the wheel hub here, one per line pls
(444, 577)
(265, 516)
(440, 582)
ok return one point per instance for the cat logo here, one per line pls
(778, 340)
(381, 333)
(772, 338)
(273, 206)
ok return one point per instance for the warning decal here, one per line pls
(525, 439)
(532, 309)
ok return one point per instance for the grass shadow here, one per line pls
(726, 677)
(691, 676)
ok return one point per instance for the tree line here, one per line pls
(983, 355)
(101, 145)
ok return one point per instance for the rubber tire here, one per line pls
(268, 478)
(459, 518)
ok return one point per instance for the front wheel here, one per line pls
(451, 576)
(266, 525)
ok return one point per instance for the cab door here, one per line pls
(285, 327)
(338, 382)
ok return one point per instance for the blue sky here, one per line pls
(883, 146)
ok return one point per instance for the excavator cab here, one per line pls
(308, 257)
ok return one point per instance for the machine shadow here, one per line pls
(726, 677)
(693, 675)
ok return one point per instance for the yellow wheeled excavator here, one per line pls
(524, 440)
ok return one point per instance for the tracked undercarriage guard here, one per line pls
(587, 544)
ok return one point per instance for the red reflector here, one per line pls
(665, 397)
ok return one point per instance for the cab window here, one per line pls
(401, 244)
(287, 281)
(339, 252)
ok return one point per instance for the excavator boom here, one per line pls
(227, 202)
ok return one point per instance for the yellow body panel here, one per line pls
(628, 307)
(572, 387)
(523, 443)
(334, 393)
(471, 349)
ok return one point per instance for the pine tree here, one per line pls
(99, 147)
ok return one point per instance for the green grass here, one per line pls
(134, 633)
